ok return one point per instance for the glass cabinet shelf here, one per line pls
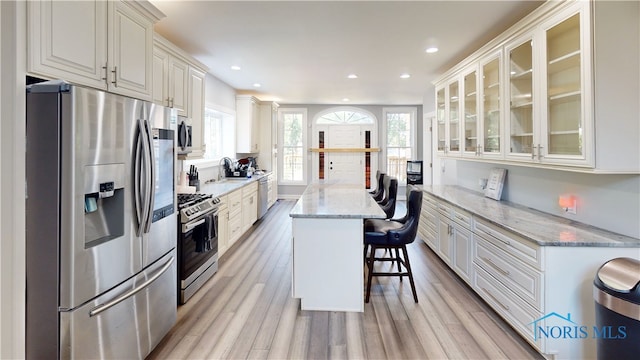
(563, 94)
(567, 61)
(523, 75)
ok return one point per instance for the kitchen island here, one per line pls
(327, 243)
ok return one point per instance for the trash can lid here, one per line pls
(621, 274)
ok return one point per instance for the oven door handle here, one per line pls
(190, 226)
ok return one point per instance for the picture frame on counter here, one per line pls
(495, 183)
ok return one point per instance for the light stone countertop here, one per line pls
(539, 227)
(338, 201)
(220, 188)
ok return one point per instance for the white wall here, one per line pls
(12, 174)
(219, 94)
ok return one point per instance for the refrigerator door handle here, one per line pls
(146, 182)
(113, 302)
(151, 179)
(137, 186)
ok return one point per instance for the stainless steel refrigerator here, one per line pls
(100, 224)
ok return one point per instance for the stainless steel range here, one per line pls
(197, 242)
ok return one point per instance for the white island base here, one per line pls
(327, 243)
(328, 271)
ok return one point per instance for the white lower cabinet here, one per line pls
(462, 259)
(249, 205)
(428, 224)
(238, 212)
(223, 226)
(235, 216)
(535, 288)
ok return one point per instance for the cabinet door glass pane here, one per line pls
(441, 120)
(564, 127)
(491, 102)
(521, 98)
(470, 113)
(454, 123)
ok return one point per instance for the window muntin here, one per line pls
(345, 117)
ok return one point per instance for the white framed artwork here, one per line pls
(495, 183)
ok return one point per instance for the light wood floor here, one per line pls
(246, 312)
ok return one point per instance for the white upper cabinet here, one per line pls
(102, 44)
(247, 124)
(491, 106)
(541, 101)
(196, 111)
(566, 126)
(553, 124)
(171, 72)
(453, 121)
(448, 125)
(470, 119)
(521, 98)
(441, 119)
(179, 83)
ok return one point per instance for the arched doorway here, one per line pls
(345, 146)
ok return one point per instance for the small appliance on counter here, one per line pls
(241, 168)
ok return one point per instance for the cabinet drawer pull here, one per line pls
(461, 218)
(496, 300)
(493, 265)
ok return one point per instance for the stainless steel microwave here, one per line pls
(184, 137)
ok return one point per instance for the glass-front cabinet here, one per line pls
(521, 98)
(470, 120)
(441, 120)
(554, 91)
(453, 103)
(448, 117)
(491, 106)
(563, 122)
(546, 118)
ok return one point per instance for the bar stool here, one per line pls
(378, 193)
(388, 203)
(382, 234)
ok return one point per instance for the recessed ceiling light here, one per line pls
(257, 85)
(352, 76)
(235, 67)
(431, 50)
(405, 76)
(345, 99)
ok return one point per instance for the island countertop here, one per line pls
(338, 201)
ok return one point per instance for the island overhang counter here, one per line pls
(327, 245)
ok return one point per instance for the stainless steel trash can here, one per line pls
(616, 291)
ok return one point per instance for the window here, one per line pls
(292, 133)
(218, 134)
(345, 117)
(400, 141)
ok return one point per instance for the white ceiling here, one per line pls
(302, 51)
